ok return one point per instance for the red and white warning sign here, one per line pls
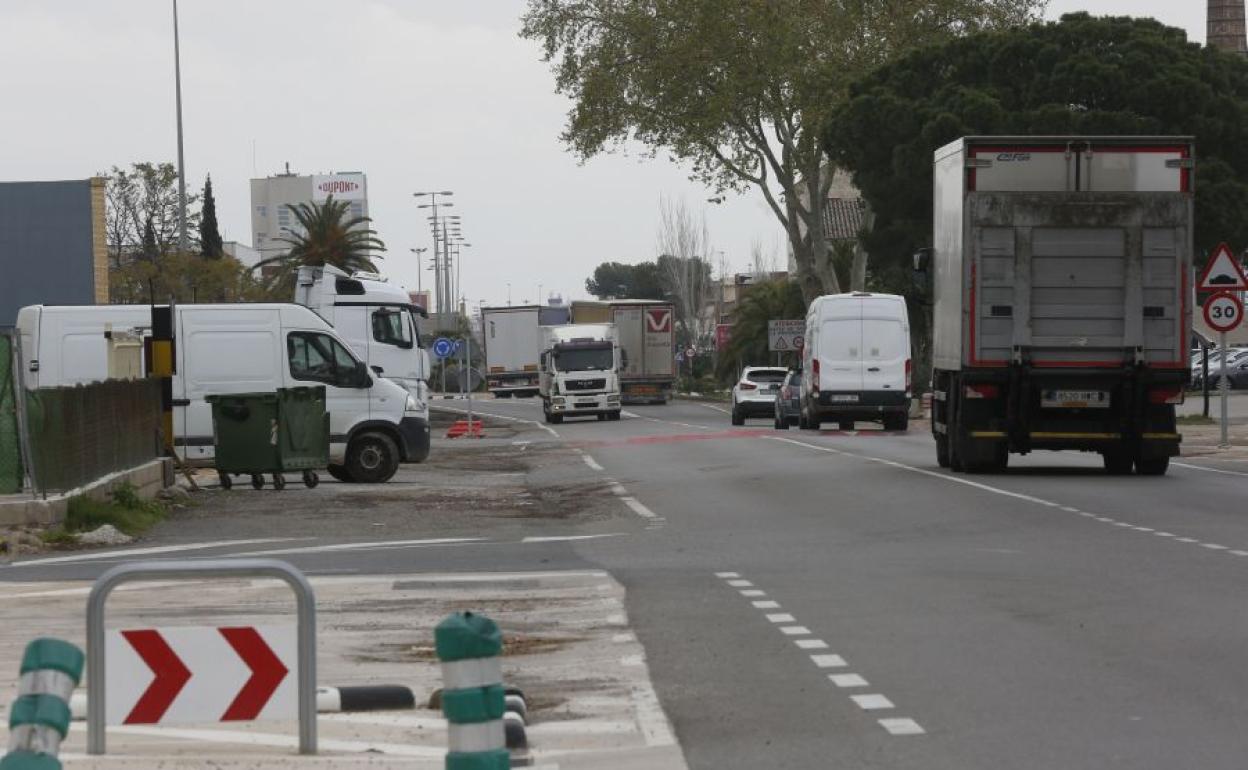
(1224, 312)
(197, 674)
(659, 320)
(1223, 273)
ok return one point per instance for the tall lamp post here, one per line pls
(419, 266)
(433, 204)
(177, 80)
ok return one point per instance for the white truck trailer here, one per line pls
(513, 345)
(580, 372)
(1063, 298)
(647, 341)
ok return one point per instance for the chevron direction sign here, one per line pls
(200, 674)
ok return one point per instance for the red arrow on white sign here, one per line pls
(196, 674)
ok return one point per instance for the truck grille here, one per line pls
(585, 384)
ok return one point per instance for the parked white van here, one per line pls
(374, 423)
(856, 362)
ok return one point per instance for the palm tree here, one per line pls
(326, 236)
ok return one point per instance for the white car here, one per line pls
(754, 395)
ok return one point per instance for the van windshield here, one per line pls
(582, 359)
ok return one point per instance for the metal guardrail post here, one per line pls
(39, 719)
(473, 699)
(177, 570)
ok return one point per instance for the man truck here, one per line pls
(645, 329)
(579, 372)
(1062, 298)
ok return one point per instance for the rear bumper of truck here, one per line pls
(646, 391)
(508, 383)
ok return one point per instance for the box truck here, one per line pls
(1062, 298)
(219, 349)
(647, 342)
(513, 345)
(579, 372)
(378, 321)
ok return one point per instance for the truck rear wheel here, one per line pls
(372, 458)
(1117, 462)
(942, 451)
(1153, 466)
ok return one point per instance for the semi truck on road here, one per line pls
(1062, 292)
(513, 344)
(645, 328)
(579, 372)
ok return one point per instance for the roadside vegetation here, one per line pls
(124, 509)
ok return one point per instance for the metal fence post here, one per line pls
(25, 449)
(39, 719)
(305, 602)
(473, 699)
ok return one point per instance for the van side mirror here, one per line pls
(922, 260)
(378, 370)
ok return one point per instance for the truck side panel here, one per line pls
(947, 262)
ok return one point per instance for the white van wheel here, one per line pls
(372, 458)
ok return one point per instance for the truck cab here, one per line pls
(579, 372)
(378, 321)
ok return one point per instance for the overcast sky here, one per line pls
(420, 95)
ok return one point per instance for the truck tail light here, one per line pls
(1167, 395)
(981, 391)
(909, 374)
(814, 376)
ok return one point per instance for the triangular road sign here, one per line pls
(1223, 272)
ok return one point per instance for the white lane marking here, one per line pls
(794, 630)
(1164, 534)
(676, 422)
(872, 702)
(727, 574)
(479, 413)
(766, 604)
(1214, 547)
(1144, 529)
(617, 620)
(128, 552)
(780, 617)
(811, 644)
(1069, 509)
(248, 738)
(626, 413)
(847, 680)
(638, 508)
(365, 546)
(568, 538)
(1238, 553)
(1186, 540)
(753, 592)
(902, 726)
(624, 638)
(618, 489)
(1209, 470)
(592, 463)
(650, 717)
(740, 584)
(828, 661)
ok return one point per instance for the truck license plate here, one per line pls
(844, 398)
(587, 403)
(1074, 399)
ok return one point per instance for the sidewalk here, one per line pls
(567, 646)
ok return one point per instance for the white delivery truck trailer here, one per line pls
(374, 423)
(1063, 298)
(513, 345)
(856, 362)
(646, 330)
(580, 372)
(378, 321)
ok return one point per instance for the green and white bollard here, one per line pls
(39, 719)
(473, 699)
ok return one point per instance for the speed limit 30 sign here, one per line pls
(1224, 312)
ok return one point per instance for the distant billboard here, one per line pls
(344, 187)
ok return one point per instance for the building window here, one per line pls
(262, 210)
(357, 209)
(283, 217)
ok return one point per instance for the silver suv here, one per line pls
(754, 395)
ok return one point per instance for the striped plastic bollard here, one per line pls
(473, 700)
(39, 719)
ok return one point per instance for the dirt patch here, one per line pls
(423, 652)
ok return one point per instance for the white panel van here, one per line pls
(374, 423)
(856, 362)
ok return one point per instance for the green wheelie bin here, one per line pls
(258, 433)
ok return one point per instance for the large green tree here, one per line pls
(619, 280)
(210, 244)
(326, 234)
(1082, 75)
(738, 91)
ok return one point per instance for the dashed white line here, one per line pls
(766, 604)
(811, 644)
(592, 463)
(828, 661)
(639, 508)
(1164, 534)
(901, 726)
(1209, 470)
(780, 617)
(753, 592)
(1186, 540)
(847, 680)
(795, 630)
(727, 575)
(741, 583)
(1238, 553)
(1214, 547)
(872, 702)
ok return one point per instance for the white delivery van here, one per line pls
(374, 423)
(580, 367)
(856, 362)
(378, 321)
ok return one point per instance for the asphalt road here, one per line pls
(836, 600)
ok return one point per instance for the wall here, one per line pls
(52, 247)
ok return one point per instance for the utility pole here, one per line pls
(177, 78)
(433, 204)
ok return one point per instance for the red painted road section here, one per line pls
(267, 672)
(171, 676)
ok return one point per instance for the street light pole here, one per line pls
(433, 204)
(177, 78)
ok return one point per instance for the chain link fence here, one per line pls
(10, 438)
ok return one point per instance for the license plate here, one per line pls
(646, 390)
(587, 403)
(844, 398)
(1074, 399)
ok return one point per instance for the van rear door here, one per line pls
(885, 345)
(840, 345)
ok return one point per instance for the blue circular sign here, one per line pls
(442, 347)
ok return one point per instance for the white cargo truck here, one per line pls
(647, 342)
(513, 345)
(1063, 298)
(580, 367)
(221, 349)
(378, 321)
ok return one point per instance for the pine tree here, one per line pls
(209, 234)
(150, 249)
